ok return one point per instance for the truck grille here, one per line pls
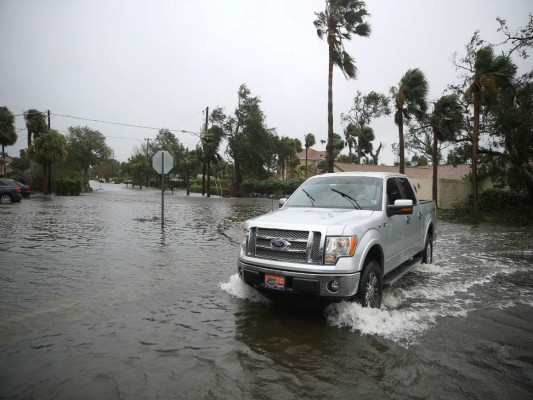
(293, 246)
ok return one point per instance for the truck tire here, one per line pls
(370, 286)
(427, 255)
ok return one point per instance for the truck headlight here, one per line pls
(337, 247)
(244, 242)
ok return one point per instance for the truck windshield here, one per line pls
(324, 192)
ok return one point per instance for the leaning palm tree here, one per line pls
(445, 120)
(48, 149)
(309, 141)
(8, 136)
(337, 22)
(410, 100)
(489, 74)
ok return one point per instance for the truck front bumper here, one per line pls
(319, 285)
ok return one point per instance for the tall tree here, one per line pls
(309, 141)
(210, 144)
(8, 136)
(250, 143)
(446, 121)
(49, 148)
(35, 123)
(489, 73)
(87, 147)
(365, 108)
(287, 154)
(350, 138)
(511, 127)
(410, 101)
(520, 40)
(339, 20)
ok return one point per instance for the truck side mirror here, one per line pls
(400, 207)
(282, 201)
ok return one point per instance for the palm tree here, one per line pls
(490, 74)
(48, 149)
(410, 99)
(309, 141)
(210, 144)
(445, 120)
(337, 22)
(365, 136)
(35, 123)
(350, 134)
(8, 136)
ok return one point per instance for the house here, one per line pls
(314, 157)
(453, 184)
(5, 163)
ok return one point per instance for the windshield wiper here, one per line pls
(310, 197)
(352, 200)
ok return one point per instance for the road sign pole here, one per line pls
(163, 191)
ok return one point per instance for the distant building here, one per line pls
(5, 164)
(314, 157)
(453, 183)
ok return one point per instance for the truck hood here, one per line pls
(328, 220)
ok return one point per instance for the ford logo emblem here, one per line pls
(279, 244)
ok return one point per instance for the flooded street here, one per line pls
(98, 303)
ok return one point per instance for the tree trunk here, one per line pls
(188, 181)
(5, 167)
(435, 166)
(50, 178)
(329, 147)
(208, 178)
(203, 178)
(401, 144)
(45, 179)
(307, 148)
(475, 135)
(238, 177)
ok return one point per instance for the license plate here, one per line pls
(275, 282)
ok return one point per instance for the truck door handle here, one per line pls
(420, 215)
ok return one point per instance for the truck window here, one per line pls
(393, 191)
(407, 189)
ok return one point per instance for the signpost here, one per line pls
(162, 163)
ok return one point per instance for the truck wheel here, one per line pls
(427, 255)
(371, 286)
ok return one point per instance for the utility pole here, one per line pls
(49, 165)
(147, 160)
(204, 164)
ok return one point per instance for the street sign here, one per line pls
(162, 162)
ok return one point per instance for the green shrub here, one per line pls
(500, 199)
(68, 186)
(271, 186)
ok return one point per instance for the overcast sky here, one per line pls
(160, 63)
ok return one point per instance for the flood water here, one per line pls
(98, 303)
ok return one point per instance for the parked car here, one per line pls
(9, 191)
(24, 189)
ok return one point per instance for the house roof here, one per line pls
(312, 154)
(444, 171)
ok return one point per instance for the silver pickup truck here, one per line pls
(339, 236)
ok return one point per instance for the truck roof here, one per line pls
(369, 174)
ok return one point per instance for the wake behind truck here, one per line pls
(339, 236)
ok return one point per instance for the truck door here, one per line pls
(413, 222)
(396, 230)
